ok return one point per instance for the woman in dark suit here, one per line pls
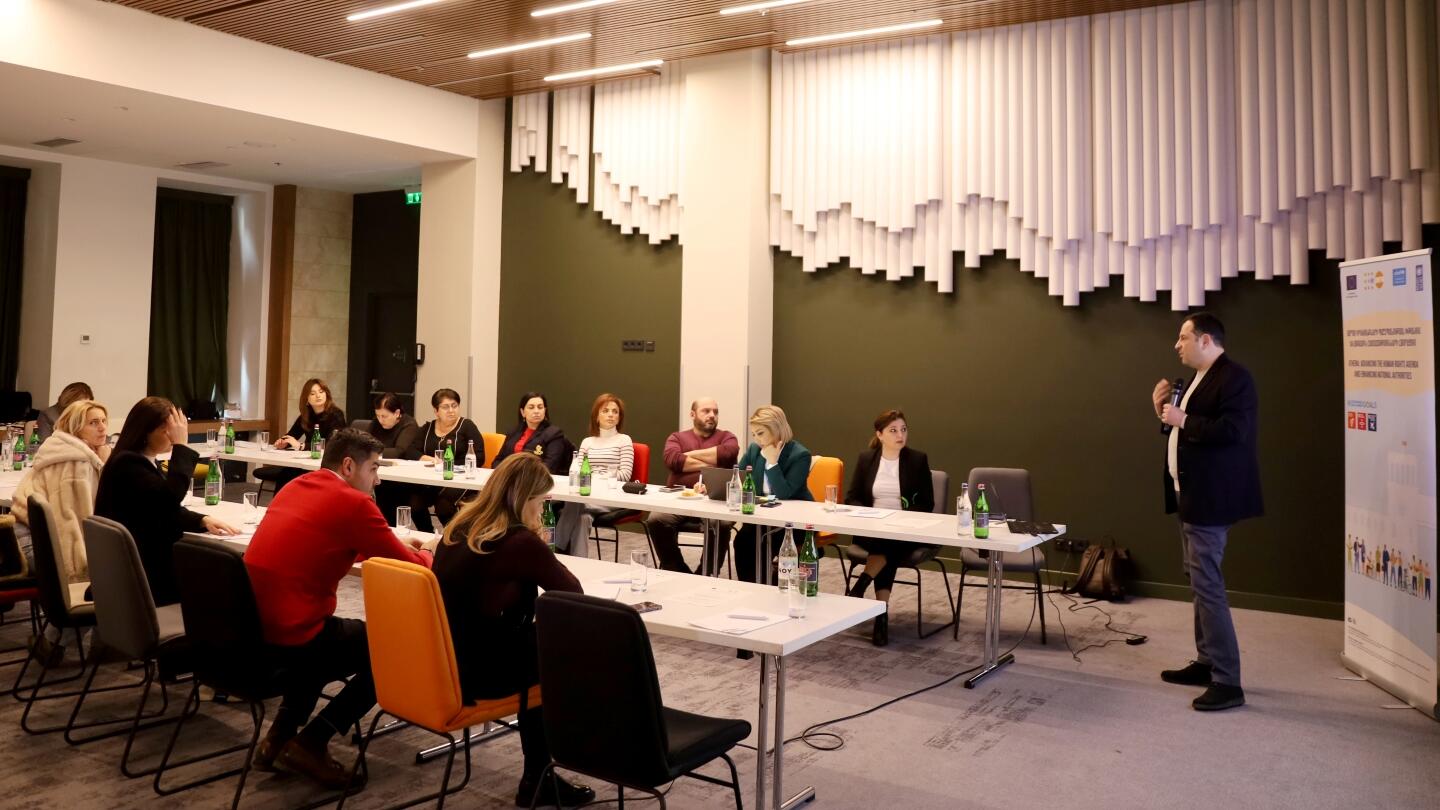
(889, 475)
(136, 492)
(534, 434)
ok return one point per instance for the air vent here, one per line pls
(201, 165)
(56, 143)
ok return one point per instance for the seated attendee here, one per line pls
(46, 420)
(611, 454)
(781, 467)
(137, 492)
(67, 473)
(447, 429)
(491, 566)
(889, 475)
(395, 429)
(317, 409)
(535, 435)
(687, 452)
(311, 536)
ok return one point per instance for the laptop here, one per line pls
(715, 479)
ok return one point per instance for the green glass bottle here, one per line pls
(315, 443)
(547, 519)
(982, 515)
(34, 447)
(448, 462)
(229, 436)
(747, 492)
(212, 482)
(808, 564)
(19, 458)
(585, 475)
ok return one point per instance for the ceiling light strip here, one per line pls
(391, 9)
(525, 46)
(769, 4)
(601, 71)
(561, 9)
(868, 32)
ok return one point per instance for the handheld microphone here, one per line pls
(1177, 392)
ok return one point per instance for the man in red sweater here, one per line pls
(315, 530)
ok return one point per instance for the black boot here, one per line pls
(880, 634)
(858, 588)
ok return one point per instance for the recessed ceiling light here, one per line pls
(868, 32)
(766, 6)
(391, 9)
(600, 71)
(561, 9)
(525, 46)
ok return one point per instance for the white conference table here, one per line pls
(685, 599)
(916, 527)
(9, 479)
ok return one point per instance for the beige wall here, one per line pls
(320, 293)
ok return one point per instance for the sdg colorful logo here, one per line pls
(1398, 277)
(1370, 422)
(1379, 279)
(1360, 420)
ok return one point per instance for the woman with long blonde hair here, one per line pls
(491, 566)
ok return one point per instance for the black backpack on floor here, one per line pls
(1104, 573)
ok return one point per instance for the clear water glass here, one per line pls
(263, 438)
(212, 438)
(402, 521)
(832, 496)
(252, 507)
(639, 571)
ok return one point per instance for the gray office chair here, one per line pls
(856, 556)
(1007, 490)
(362, 425)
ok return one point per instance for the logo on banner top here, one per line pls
(1398, 277)
(1352, 282)
(1419, 279)
(1379, 279)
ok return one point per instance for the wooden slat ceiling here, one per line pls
(428, 45)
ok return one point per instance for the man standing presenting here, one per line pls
(1212, 479)
(687, 452)
(315, 530)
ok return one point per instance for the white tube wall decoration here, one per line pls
(1170, 146)
(570, 151)
(529, 119)
(638, 138)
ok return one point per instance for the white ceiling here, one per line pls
(130, 126)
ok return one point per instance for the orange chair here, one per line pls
(493, 442)
(615, 518)
(826, 470)
(413, 660)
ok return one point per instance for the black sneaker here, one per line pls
(1196, 674)
(541, 793)
(1218, 697)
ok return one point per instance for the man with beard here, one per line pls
(687, 452)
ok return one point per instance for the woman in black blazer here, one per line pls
(447, 429)
(534, 434)
(888, 475)
(137, 493)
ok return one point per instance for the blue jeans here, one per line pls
(1203, 549)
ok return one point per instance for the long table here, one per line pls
(685, 599)
(9, 479)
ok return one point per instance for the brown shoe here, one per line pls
(269, 748)
(297, 757)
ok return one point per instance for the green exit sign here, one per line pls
(412, 198)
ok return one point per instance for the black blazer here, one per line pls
(554, 448)
(1217, 459)
(397, 439)
(134, 493)
(916, 486)
(426, 443)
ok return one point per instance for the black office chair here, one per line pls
(227, 650)
(645, 744)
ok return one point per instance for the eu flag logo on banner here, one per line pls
(1398, 277)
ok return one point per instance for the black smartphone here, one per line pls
(675, 488)
(645, 607)
(769, 504)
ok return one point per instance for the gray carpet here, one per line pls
(1102, 733)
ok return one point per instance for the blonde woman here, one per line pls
(491, 565)
(781, 467)
(67, 473)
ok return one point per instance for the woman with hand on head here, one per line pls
(143, 495)
(889, 475)
(67, 473)
(535, 435)
(781, 467)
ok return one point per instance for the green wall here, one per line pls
(571, 288)
(1000, 374)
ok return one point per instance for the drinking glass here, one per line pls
(832, 496)
(212, 438)
(639, 571)
(252, 507)
(402, 521)
(263, 437)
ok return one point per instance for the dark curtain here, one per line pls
(12, 251)
(190, 299)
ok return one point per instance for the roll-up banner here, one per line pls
(1389, 420)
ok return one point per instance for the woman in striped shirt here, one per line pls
(611, 454)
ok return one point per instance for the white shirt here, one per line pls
(886, 489)
(1172, 452)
